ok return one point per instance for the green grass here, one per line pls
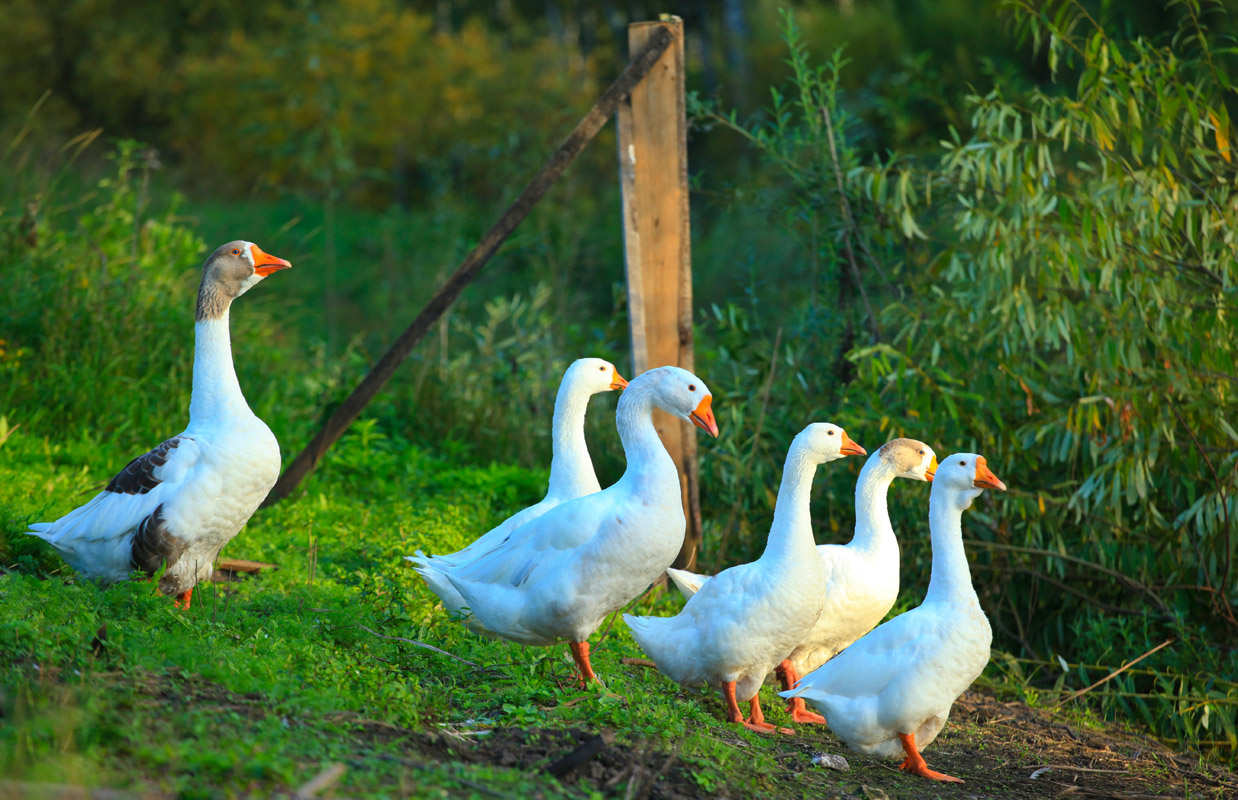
(265, 682)
(307, 639)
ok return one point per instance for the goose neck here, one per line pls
(570, 465)
(650, 467)
(791, 533)
(951, 577)
(216, 392)
(873, 530)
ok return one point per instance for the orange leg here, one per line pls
(580, 653)
(757, 723)
(182, 599)
(914, 764)
(795, 706)
(755, 716)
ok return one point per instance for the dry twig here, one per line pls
(416, 643)
(1113, 674)
(321, 782)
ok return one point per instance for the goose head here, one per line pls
(593, 376)
(823, 442)
(967, 475)
(909, 458)
(681, 394)
(231, 271)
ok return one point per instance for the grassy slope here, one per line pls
(264, 682)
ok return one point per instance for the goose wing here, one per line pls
(132, 498)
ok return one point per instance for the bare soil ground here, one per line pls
(1001, 750)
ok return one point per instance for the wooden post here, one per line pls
(653, 169)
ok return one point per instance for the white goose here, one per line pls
(180, 503)
(571, 475)
(890, 693)
(747, 618)
(861, 577)
(558, 576)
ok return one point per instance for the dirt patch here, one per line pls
(1001, 750)
(1009, 750)
(575, 755)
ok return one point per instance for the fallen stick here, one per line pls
(321, 782)
(240, 565)
(372, 383)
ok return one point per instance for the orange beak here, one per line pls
(703, 417)
(617, 381)
(850, 448)
(265, 263)
(985, 479)
(931, 472)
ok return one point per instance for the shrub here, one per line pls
(1066, 276)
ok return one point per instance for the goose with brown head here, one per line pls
(176, 506)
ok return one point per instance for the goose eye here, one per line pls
(829, 433)
(691, 387)
(601, 369)
(921, 452)
(962, 463)
(235, 252)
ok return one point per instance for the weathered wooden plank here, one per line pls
(653, 168)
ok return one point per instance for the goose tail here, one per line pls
(688, 583)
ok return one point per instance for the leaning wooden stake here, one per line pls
(653, 169)
(572, 146)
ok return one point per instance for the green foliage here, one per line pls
(1067, 275)
(97, 330)
(366, 98)
(1088, 259)
(86, 294)
(499, 371)
(797, 137)
(799, 357)
(358, 91)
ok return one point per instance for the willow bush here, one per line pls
(1078, 278)
(1065, 287)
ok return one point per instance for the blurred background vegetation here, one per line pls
(1006, 228)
